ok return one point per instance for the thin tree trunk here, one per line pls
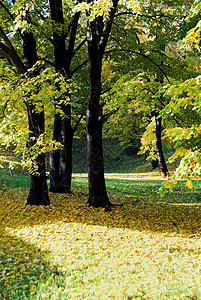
(66, 151)
(159, 149)
(55, 156)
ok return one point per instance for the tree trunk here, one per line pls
(66, 151)
(55, 156)
(97, 188)
(159, 150)
(38, 194)
(98, 32)
(61, 160)
(154, 163)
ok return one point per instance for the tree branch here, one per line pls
(107, 27)
(79, 46)
(141, 15)
(77, 123)
(142, 54)
(6, 52)
(79, 67)
(7, 10)
(73, 33)
(4, 109)
(47, 61)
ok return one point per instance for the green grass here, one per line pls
(131, 190)
(115, 161)
(13, 179)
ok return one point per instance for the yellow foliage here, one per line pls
(68, 250)
(95, 8)
(132, 4)
(194, 36)
(148, 140)
(189, 184)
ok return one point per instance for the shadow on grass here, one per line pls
(25, 270)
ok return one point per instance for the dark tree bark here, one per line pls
(61, 160)
(38, 194)
(66, 151)
(55, 155)
(159, 149)
(97, 188)
(97, 38)
(154, 163)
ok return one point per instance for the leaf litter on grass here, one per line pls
(147, 250)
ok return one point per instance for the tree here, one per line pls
(65, 49)
(61, 160)
(98, 32)
(38, 194)
(150, 42)
(184, 99)
(50, 38)
(136, 109)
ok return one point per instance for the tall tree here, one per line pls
(98, 31)
(38, 194)
(52, 33)
(61, 159)
(149, 46)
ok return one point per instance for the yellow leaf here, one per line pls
(189, 184)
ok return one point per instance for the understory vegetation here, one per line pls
(117, 158)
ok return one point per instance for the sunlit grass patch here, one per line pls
(154, 175)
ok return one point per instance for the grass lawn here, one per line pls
(150, 248)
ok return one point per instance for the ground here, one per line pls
(147, 249)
